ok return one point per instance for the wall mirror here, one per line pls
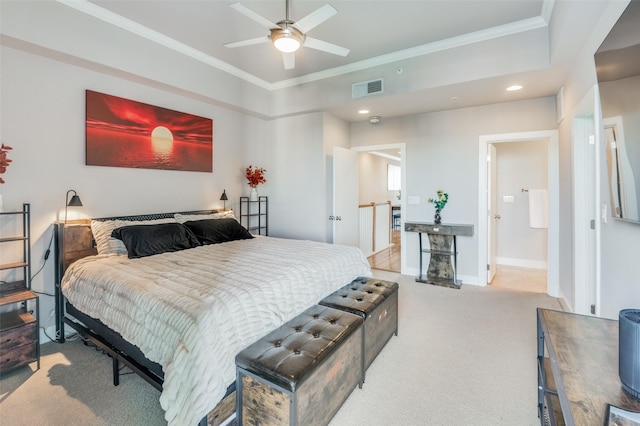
(618, 70)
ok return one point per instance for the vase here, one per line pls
(437, 219)
(253, 195)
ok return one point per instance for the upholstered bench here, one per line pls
(376, 301)
(302, 372)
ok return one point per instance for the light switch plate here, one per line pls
(507, 198)
(413, 200)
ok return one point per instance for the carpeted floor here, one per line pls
(462, 357)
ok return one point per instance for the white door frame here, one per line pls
(553, 236)
(492, 157)
(586, 199)
(403, 200)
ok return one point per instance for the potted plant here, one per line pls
(255, 176)
(439, 202)
(4, 163)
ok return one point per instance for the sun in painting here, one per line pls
(162, 141)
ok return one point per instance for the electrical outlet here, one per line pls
(52, 313)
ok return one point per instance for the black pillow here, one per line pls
(214, 231)
(147, 240)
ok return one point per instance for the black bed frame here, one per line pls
(73, 241)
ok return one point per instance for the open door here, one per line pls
(586, 201)
(492, 214)
(345, 217)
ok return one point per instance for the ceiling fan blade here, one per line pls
(289, 60)
(253, 15)
(316, 18)
(249, 42)
(324, 46)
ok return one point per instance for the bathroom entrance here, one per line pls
(518, 196)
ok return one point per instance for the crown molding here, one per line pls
(425, 49)
(133, 27)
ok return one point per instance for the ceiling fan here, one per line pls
(287, 35)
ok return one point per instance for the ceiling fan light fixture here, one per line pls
(287, 40)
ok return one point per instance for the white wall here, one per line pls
(336, 134)
(42, 116)
(442, 152)
(620, 241)
(297, 152)
(520, 165)
(296, 168)
(373, 179)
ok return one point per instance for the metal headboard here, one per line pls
(153, 216)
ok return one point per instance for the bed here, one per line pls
(177, 309)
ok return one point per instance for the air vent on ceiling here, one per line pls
(367, 88)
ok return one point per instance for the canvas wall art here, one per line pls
(126, 133)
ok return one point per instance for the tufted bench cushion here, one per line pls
(376, 301)
(302, 372)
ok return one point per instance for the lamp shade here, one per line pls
(73, 202)
(224, 199)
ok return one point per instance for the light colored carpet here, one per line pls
(462, 357)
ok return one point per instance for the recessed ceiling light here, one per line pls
(514, 88)
(363, 111)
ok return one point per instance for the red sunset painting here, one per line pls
(125, 133)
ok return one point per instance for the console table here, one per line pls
(443, 255)
(578, 371)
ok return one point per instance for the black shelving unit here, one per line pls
(19, 324)
(254, 215)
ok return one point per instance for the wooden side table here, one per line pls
(578, 369)
(443, 254)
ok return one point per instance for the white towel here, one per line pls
(538, 208)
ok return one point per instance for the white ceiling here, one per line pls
(394, 33)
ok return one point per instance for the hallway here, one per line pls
(521, 279)
(389, 258)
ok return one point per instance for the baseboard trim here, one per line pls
(523, 263)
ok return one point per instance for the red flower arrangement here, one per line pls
(4, 161)
(255, 176)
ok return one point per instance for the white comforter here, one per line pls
(192, 311)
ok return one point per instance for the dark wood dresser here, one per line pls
(578, 369)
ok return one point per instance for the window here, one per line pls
(393, 177)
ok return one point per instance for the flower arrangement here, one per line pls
(4, 161)
(255, 176)
(441, 199)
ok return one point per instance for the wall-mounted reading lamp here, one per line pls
(73, 202)
(224, 199)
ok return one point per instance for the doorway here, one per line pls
(517, 227)
(392, 258)
(485, 213)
